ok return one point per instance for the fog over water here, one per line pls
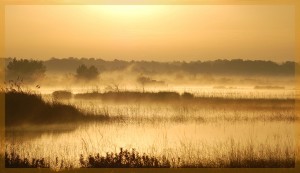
(143, 86)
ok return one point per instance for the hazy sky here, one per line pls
(150, 32)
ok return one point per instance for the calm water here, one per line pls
(202, 135)
(190, 140)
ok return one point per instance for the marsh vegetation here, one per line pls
(123, 84)
(176, 130)
(153, 125)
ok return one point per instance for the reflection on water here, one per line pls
(29, 132)
(191, 141)
(196, 133)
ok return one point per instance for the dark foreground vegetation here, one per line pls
(132, 159)
(30, 108)
(13, 160)
(124, 159)
(26, 107)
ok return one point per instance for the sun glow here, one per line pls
(126, 11)
(156, 32)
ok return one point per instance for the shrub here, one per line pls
(187, 95)
(63, 94)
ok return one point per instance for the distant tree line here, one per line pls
(217, 67)
(32, 70)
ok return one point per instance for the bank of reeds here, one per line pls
(13, 160)
(171, 97)
(133, 159)
(29, 108)
(124, 159)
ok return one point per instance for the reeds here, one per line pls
(30, 108)
(27, 107)
(133, 159)
(124, 159)
(13, 160)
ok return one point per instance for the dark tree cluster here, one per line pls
(87, 73)
(29, 70)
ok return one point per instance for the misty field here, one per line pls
(149, 85)
(159, 129)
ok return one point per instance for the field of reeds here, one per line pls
(148, 129)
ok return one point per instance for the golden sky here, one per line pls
(151, 32)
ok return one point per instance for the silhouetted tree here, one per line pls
(143, 80)
(28, 70)
(83, 72)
